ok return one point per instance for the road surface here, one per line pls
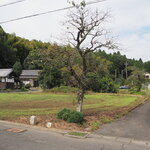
(35, 138)
(135, 125)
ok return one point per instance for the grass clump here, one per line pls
(106, 120)
(71, 116)
(95, 125)
(77, 134)
(64, 89)
(137, 92)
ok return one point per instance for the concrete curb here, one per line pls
(34, 127)
(122, 139)
(78, 137)
(26, 126)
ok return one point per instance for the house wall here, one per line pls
(7, 80)
(33, 82)
(4, 85)
(26, 82)
(10, 85)
(147, 75)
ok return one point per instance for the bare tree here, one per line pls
(86, 34)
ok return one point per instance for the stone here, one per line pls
(87, 129)
(49, 125)
(33, 120)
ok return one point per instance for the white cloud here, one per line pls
(128, 18)
(137, 46)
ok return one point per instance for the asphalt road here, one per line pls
(44, 139)
(135, 125)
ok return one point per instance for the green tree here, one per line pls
(98, 65)
(136, 79)
(49, 55)
(12, 48)
(107, 85)
(93, 82)
(147, 66)
(98, 84)
(7, 52)
(22, 47)
(17, 68)
(50, 77)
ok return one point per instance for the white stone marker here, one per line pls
(49, 125)
(33, 120)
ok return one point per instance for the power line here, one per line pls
(48, 12)
(12, 3)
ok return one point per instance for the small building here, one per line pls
(6, 79)
(30, 77)
(147, 75)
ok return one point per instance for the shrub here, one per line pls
(64, 114)
(28, 86)
(71, 116)
(23, 88)
(76, 117)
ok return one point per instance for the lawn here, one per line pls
(25, 104)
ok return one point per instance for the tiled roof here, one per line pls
(5, 72)
(30, 72)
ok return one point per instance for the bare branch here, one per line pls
(86, 34)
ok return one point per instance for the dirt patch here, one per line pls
(42, 121)
(34, 104)
(102, 115)
(91, 116)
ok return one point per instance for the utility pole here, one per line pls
(115, 74)
(122, 73)
(126, 70)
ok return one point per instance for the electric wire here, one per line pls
(12, 3)
(47, 12)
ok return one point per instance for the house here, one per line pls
(27, 77)
(30, 77)
(6, 79)
(147, 75)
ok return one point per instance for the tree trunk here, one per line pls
(80, 97)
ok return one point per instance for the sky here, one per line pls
(129, 22)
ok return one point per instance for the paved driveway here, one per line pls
(135, 125)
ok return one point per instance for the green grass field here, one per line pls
(23, 104)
